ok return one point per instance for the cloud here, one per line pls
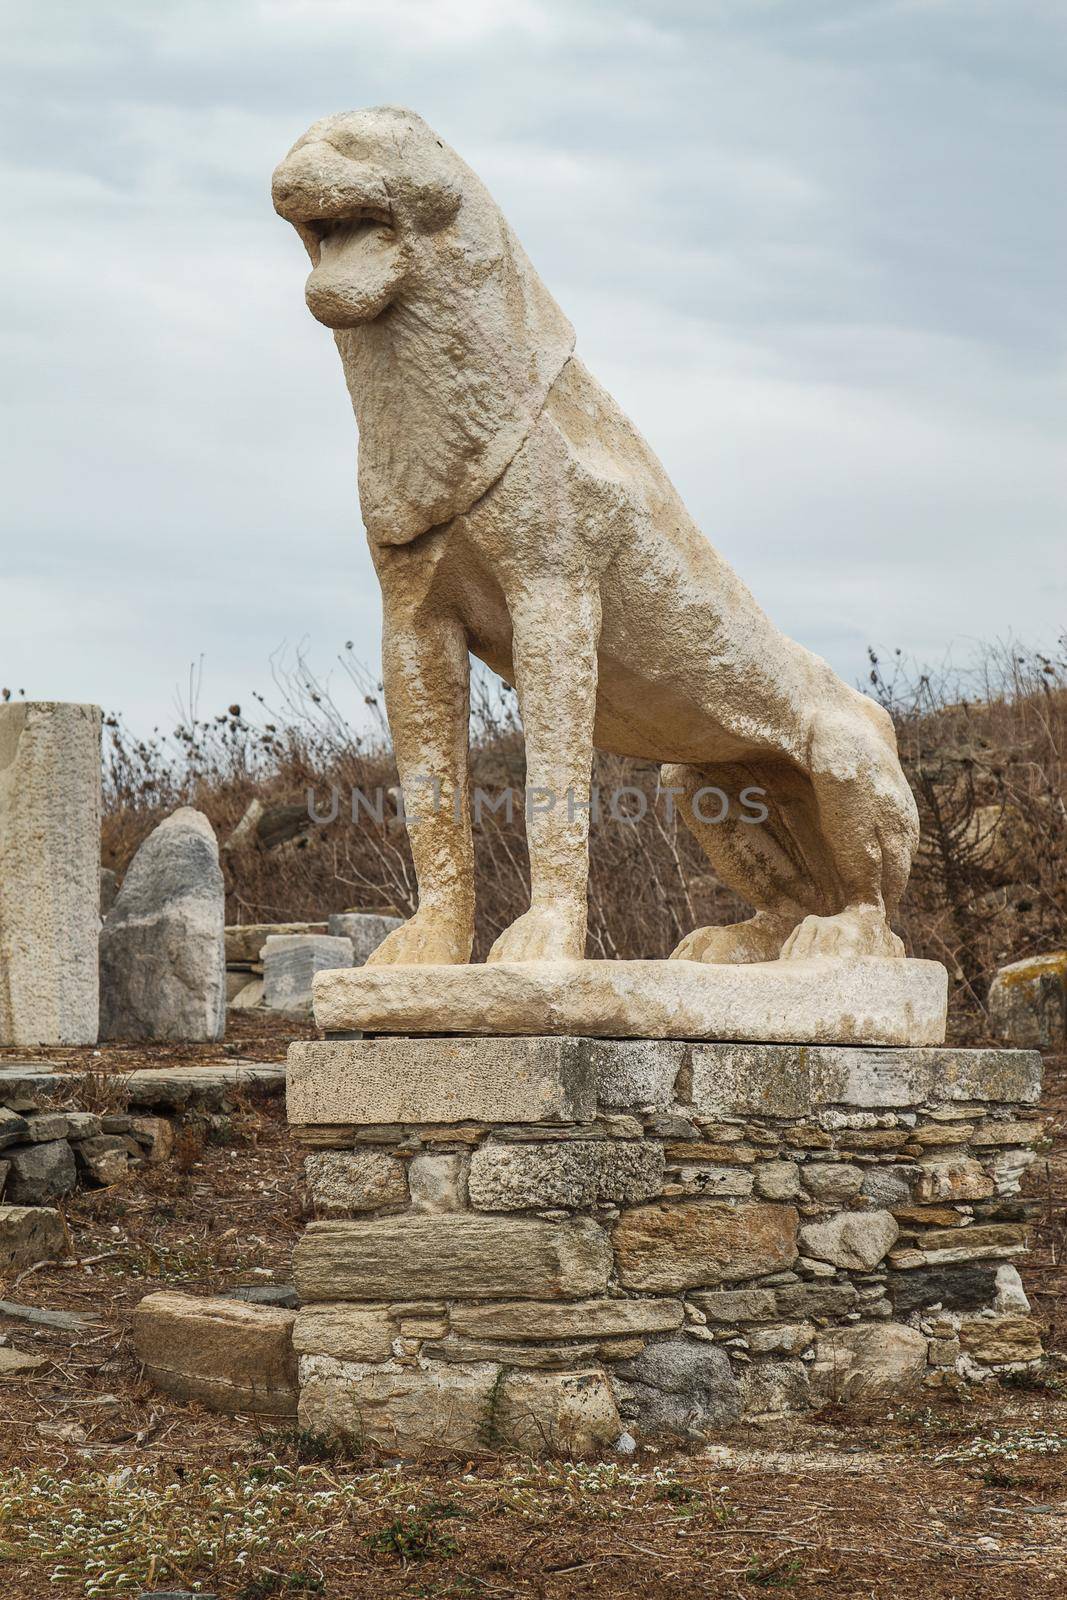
(815, 252)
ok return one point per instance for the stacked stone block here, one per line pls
(551, 1242)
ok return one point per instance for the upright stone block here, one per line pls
(49, 872)
(365, 930)
(1028, 1002)
(162, 950)
(290, 962)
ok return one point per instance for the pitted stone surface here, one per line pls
(467, 1255)
(377, 1081)
(343, 1182)
(635, 1072)
(575, 1174)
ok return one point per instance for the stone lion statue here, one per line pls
(514, 512)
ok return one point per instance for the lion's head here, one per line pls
(450, 342)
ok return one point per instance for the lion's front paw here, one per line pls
(758, 939)
(544, 933)
(857, 931)
(428, 939)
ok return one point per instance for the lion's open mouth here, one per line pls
(342, 229)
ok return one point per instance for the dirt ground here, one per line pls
(107, 1489)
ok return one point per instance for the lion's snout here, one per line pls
(315, 183)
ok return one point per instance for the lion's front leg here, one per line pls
(426, 672)
(556, 632)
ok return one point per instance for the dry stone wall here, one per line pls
(653, 1239)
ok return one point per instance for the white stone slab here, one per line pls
(859, 1000)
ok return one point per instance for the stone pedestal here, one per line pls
(49, 872)
(545, 1242)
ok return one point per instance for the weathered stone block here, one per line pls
(437, 1182)
(29, 1085)
(346, 1331)
(998, 1340)
(437, 1409)
(856, 1239)
(681, 1389)
(245, 940)
(714, 1181)
(777, 1180)
(816, 1299)
(29, 1234)
(104, 1160)
(889, 1187)
(580, 1319)
(575, 1173)
(13, 1128)
(39, 1173)
(869, 1361)
(49, 872)
(404, 1080)
(952, 1178)
(850, 1000)
(508, 1352)
(571, 1414)
(290, 962)
(736, 1305)
(364, 930)
(785, 1339)
(956, 1288)
(226, 1354)
(162, 961)
(635, 1072)
(832, 1181)
(1009, 1076)
(775, 1389)
(731, 1080)
(465, 1255)
(206, 1088)
(1028, 1002)
(692, 1243)
(866, 1078)
(343, 1183)
(155, 1135)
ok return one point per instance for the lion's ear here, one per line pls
(434, 202)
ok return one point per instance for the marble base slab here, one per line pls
(832, 1000)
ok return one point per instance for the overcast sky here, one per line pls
(814, 247)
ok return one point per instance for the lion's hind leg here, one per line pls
(776, 862)
(870, 823)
